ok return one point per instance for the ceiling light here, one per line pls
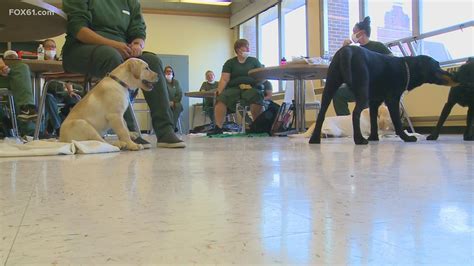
(208, 2)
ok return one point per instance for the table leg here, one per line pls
(299, 105)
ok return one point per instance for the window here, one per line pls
(248, 30)
(390, 19)
(448, 46)
(269, 37)
(432, 10)
(340, 16)
(294, 28)
(269, 48)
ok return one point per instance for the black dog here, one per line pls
(375, 78)
(462, 95)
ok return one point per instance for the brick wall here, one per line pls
(338, 24)
(249, 32)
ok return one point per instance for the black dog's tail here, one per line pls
(345, 65)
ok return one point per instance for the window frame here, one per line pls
(281, 33)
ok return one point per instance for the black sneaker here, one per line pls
(170, 141)
(27, 113)
(215, 131)
(143, 142)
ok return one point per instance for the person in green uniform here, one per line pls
(58, 92)
(100, 36)
(176, 94)
(209, 85)
(361, 35)
(17, 78)
(236, 85)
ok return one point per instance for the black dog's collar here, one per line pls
(123, 84)
(408, 75)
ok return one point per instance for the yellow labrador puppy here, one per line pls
(103, 107)
(341, 126)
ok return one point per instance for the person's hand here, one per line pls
(137, 46)
(123, 49)
(347, 42)
(4, 70)
(171, 104)
(136, 49)
(72, 94)
(70, 91)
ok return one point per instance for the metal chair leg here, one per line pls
(405, 114)
(134, 117)
(16, 134)
(41, 108)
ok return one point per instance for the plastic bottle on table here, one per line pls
(40, 52)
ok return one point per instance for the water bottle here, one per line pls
(326, 58)
(40, 52)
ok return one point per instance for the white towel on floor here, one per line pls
(47, 148)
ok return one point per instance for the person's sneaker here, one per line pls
(215, 131)
(170, 141)
(143, 142)
(27, 113)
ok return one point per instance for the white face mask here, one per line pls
(50, 54)
(169, 77)
(354, 37)
(245, 54)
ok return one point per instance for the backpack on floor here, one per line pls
(284, 119)
(264, 122)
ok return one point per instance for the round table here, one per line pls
(299, 73)
(27, 20)
(200, 94)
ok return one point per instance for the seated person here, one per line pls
(58, 92)
(236, 85)
(17, 78)
(209, 85)
(267, 94)
(175, 94)
(361, 35)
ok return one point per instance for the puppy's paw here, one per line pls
(361, 141)
(409, 139)
(120, 144)
(432, 137)
(134, 147)
(374, 138)
(314, 140)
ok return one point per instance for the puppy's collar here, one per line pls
(123, 84)
(408, 75)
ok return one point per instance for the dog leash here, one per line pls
(123, 84)
(408, 75)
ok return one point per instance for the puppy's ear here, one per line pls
(135, 68)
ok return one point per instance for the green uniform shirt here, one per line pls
(239, 71)
(175, 93)
(377, 47)
(206, 86)
(119, 20)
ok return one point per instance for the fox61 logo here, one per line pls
(29, 12)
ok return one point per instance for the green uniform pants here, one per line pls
(19, 82)
(341, 99)
(100, 60)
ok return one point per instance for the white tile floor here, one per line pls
(244, 201)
